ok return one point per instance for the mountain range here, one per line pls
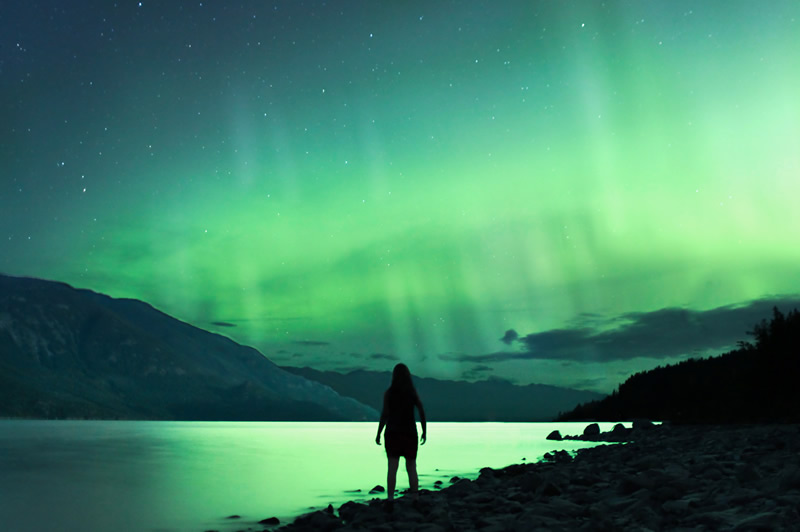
(69, 353)
(443, 400)
(74, 353)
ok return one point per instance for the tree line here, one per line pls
(756, 382)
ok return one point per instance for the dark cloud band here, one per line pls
(311, 343)
(665, 333)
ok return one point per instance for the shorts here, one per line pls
(401, 444)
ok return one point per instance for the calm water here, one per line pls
(133, 475)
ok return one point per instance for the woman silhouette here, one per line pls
(401, 429)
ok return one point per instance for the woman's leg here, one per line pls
(391, 476)
(411, 469)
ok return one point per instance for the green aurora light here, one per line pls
(361, 179)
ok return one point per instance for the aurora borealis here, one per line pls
(346, 184)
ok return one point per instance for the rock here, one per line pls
(747, 474)
(487, 478)
(530, 482)
(619, 431)
(668, 492)
(741, 496)
(714, 519)
(633, 483)
(377, 489)
(618, 505)
(591, 431)
(761, 521)
(382, 528)
(488, 523)
(480, 497)
(319, 520)
(681, 478)
(270, 521)
(486, 471)
(430, 527)
(563, 507)
(677, 507)
(512, 507)
(462, 487)
(455, 479)
(646, 516)
(555, 435)
(550, 490)
(350, 509)
(512, 471)
(642, 424)
(790, 479)
(558, 457)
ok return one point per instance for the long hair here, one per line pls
(402, 385)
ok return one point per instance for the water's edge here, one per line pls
(182, 476)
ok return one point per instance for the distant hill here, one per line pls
(67, 353)
(489, 400)
(754, 383)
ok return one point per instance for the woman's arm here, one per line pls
(382, 422)
(422, 420)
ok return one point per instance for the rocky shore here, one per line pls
(662, 478)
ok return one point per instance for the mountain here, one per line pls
(489, 400)
(67, 353)
(755, 383)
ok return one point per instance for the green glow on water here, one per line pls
(97, 475)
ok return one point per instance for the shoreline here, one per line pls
(704, 477)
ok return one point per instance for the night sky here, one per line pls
(554, 192)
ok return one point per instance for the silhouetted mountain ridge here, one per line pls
(75, 353)
(488, 400)
(757, 382)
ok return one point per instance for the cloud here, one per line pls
(665, 333)
(499, 356)
(476, 372)
(509, 337)
(383, 356)
(311, 343)
(599, 383)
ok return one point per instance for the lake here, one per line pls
(189, 476)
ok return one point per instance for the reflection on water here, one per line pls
(135, 475)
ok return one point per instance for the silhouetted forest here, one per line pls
(757, 382)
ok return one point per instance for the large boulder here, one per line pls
(316, 521)
(591, 431)
(350, 509)
(618, 433)
(555, 435)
